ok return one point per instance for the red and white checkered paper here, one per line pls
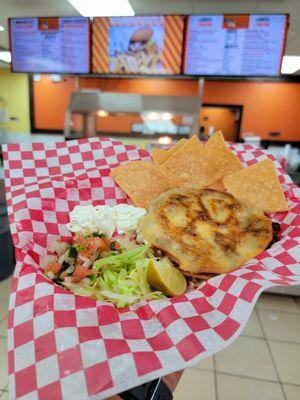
(64, 346)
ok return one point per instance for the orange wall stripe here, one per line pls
(254, 96)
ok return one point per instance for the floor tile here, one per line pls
(236, 388)
(195, 385)
(279, 325)
(243, 358)
(291, 392)
(3, 326)
(252, 327)
(5, 288)
(285, 290)
(277, 302)
(4, 396)
(207, 364)
(297, 301)
(3, 363)
(287, 360)
(3, 308)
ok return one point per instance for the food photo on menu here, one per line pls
(138, 45)
(144, 51)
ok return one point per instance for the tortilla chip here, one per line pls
(220, 160)
(258, 185)
(188, 164)
(159, 156)
(217, 185)
(201, 165)
(142, 181)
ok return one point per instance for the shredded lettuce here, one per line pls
(83, 290)
(121, 278)
(126, 259)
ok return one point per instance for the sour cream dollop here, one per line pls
(83, 218)
(106, 219)
(128, 217)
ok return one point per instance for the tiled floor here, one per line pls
(262, 364)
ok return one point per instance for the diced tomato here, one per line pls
(107, 244)
(54, 267)
(86, 252)
(82, 272)
(88, 247)
(78, 238)
(91, 245)
(117, 245)
(98, 243)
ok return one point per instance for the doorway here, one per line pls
(227, 118)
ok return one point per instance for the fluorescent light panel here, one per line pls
(164, 140)
(290, 64)
(37, 77)
(5, 56)
(56, 78)
(102, 113)
(103, 8)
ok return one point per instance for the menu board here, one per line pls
(245, 45)
(138, 45)
(50, 45)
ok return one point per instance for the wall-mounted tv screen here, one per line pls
(138, 45)
(242, 45)
(50, 45)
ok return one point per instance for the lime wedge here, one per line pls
(163, 276)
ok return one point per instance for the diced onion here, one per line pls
(58, 247)
(50, 275)
(47, 260)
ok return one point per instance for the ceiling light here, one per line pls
(2, 28)
(5, 56)
(152, 115)
(103, 8)
(102, 113)
(55, 78)
(166, 116)
(164, 140)
(290, 64)
(36, 77)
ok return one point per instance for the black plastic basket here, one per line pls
(7, 253)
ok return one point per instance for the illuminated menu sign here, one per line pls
(246, 45)
(58, 45)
